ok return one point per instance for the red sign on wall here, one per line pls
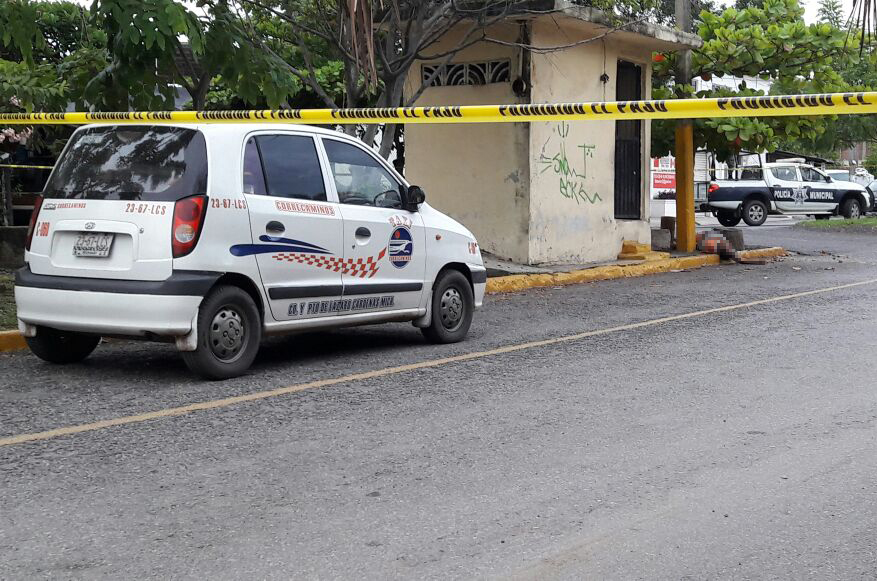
(664, 181)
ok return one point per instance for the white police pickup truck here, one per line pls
(211, 236)
(783, 188)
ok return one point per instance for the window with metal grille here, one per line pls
(458, 74)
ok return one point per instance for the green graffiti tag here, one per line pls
(571, 179)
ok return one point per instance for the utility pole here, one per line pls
(685, 231)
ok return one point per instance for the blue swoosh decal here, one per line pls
(250, 249)
(275, 239)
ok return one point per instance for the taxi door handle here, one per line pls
(274, 227)
(363, 232)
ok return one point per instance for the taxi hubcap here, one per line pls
(227, 334)
(451, 309)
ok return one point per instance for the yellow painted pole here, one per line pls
(685, 230)
(685, 227)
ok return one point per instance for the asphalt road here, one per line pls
(675, 440)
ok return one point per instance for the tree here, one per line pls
(48, 53)
(374, 44)
(871, 160)
(831, 13)
(155, 44)
(771, 43)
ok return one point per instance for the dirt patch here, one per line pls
(7, 301)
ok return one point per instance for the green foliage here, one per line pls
(769, 42)
(35, 87)
(142, 36)
(19, 32)
(48, 50)
(871, 160)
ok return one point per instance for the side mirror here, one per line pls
(414, 197)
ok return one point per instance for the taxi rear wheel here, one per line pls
(229, 333)
(61, 347)
(452, 308)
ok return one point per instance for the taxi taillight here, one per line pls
(188, 221)
(31, 226)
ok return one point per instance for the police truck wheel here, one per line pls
(851, 209)
(229, 333)
(728, 218)
(61, 347)
(754, 212)
(452, 308)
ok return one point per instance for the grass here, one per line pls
(868, 223)
(7, 302)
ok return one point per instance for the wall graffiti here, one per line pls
(571, 175)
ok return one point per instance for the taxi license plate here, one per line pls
(94, 244)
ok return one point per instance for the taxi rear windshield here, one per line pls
(131, 163)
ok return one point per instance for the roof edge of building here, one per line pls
(675, 39)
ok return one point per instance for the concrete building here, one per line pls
(544, 192)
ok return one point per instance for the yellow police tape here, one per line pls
(18, 166)
(768, 106)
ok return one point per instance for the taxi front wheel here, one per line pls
(452, 308)
(229, 333)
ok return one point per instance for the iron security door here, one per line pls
(628, 147)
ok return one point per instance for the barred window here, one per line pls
(457, 74)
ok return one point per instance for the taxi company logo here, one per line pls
(401, 247)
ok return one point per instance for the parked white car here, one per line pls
(215, 235)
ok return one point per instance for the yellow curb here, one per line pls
(771, 252)
(519, 282)
(11, 340)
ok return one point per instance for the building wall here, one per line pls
(572, 164)
(477, 173)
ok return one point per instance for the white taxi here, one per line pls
(215, 235)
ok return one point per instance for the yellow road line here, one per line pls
(230, 401)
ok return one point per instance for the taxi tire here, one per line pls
(436, 332)
(203, 361)
(61, 347)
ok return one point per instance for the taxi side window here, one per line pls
(785, 173)
(361, 179)
(254, 177)
(291, 167)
